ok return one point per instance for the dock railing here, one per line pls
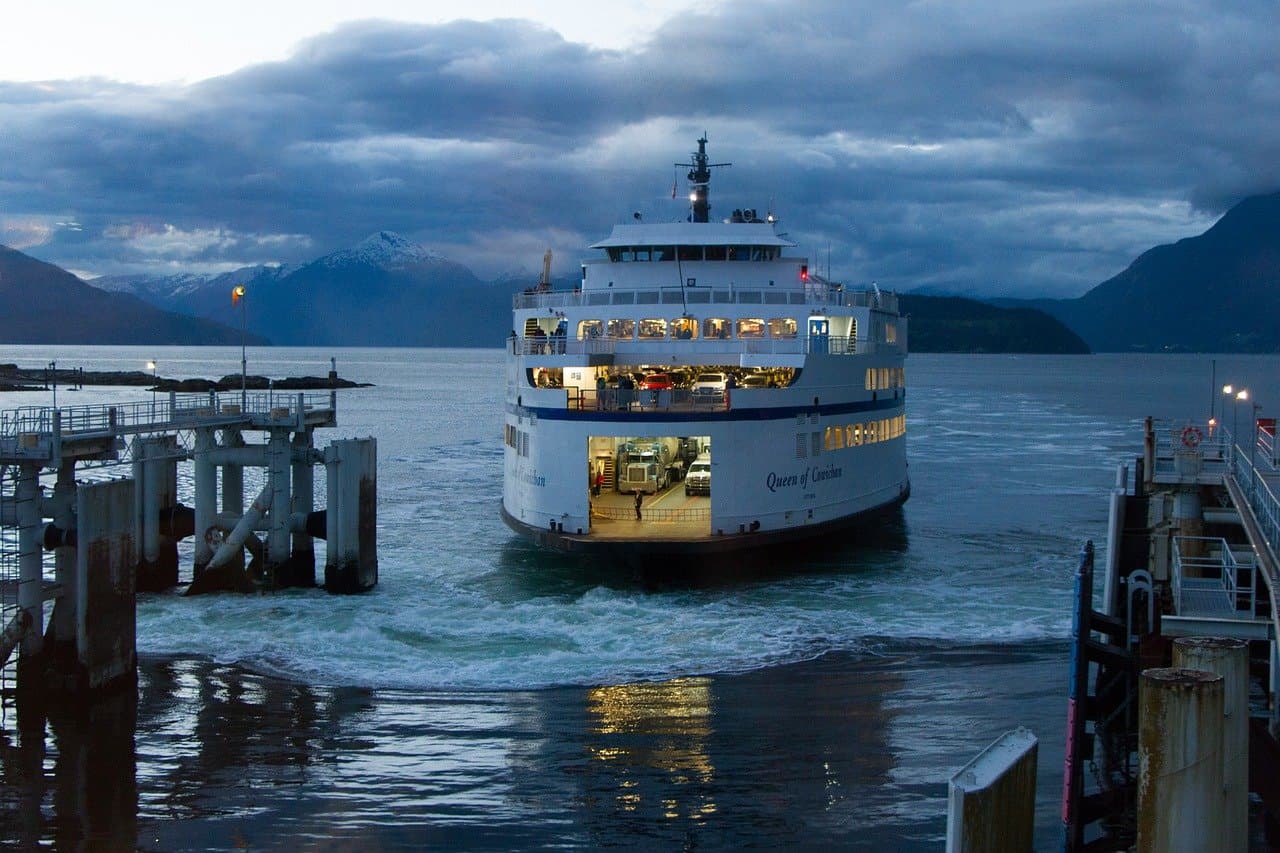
(1210, 580)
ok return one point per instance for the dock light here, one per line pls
(804, 272)
(151, 365)
(1240, 397)
(1227, 389)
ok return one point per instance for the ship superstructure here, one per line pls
(711, 347)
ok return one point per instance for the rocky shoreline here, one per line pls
(15, 378)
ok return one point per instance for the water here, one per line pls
(491, 696)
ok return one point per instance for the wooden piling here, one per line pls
(992, 800)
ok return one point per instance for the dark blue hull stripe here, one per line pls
(718, 416)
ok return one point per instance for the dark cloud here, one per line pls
(995, 146)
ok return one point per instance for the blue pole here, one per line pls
(1073, 763)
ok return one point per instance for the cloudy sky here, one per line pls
(989, 147)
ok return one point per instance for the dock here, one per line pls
(1173, 710)
(90, 515)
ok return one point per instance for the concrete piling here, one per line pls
(106, 612)
(351, 522)
(1180, 761)
(1228, 658)
(30, 558)
(302, 554)
(155, 475)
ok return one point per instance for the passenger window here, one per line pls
(590, 329)
(751, 327)
(622, 328)
(651, 328)
(782, 327)
(684, 328)
(715, 327)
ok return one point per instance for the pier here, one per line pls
(1174, 696)
(96, 488)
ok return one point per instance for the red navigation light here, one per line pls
(804, 272)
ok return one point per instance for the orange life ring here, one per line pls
(1191, 437)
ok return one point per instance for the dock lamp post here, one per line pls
(237, 296)
(53, 377)
(1253, 448)
(1240, 397)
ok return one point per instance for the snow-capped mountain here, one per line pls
(385, 249)
(384, 291)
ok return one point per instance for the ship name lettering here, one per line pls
(828, 473)
(781, 481)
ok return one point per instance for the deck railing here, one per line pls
(816, 294)
(655, 514)
(1210, 580)
(705, 347)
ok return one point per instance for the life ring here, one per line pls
(1191, 437)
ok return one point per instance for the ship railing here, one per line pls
(800, 345)
(654, 514)
(647, 400)
(813, 294)
(1211, 580)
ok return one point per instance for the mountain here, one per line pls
(956, 324)
(194, 293)
(1216, 292)
(384, 291)
(45, 304)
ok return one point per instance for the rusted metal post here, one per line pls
(992, 800)
(1180, 761)
(1230, 659)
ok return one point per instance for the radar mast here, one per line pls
(699, 181)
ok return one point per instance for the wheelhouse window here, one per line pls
(782, 327)
(625, 328)
(684, 328)
(715, 253)
(751, 327)
(652, 328)
(590, 329)
(715, 327)
(690, 253)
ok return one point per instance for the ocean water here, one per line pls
(491, 696)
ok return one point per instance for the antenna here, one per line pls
(700, 180)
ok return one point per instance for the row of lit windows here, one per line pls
(689, 328)
(516, 439)
(694, 253)
(880, 378)
(850, 435)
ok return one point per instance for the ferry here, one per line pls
(702, 391)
